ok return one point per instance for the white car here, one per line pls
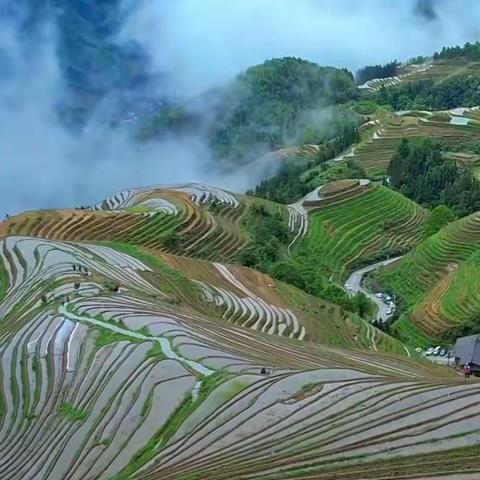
(379, 295)
(429, 351)
(347, 286)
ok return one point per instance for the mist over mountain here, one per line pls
(82, 81)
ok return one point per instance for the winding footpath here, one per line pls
(164, 344)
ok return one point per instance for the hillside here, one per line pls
(383, 136)
(351, 223)
(188, 332)
(79, 319)
(213, 224)
(437, 279)
(191, 219)
(280, 102)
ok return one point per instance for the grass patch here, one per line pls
(308, 387)
(139, 209)
(4, 281)
(171, 281)
(139, 253)
(73, 414)
(107, 337)
(156, 352)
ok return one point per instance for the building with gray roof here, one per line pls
(467, 350)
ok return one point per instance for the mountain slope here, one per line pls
(436, 280)
(195, 398)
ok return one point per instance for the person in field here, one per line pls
(467, 369)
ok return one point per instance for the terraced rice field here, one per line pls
(375, 152)
(138, 381)
(250, 299)
(408, 73)
(438, 71)
(374, 219)
(191, 219)
(437, 279)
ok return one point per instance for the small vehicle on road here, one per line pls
(379, 295)
(429, 351)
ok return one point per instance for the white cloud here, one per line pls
(200, 44)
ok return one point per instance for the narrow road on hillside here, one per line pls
(354, 285)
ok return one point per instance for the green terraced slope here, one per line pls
(371, 223)
(380, 142)
(437, 280)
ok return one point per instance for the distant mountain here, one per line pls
(95, 63)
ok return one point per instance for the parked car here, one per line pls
(436, 350)
(389, 311)
(379, 295)
(443, 352)
(429, 351)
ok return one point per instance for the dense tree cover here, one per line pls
(470, 51)
(465, 144)
(427, 95)
(268, 106)
(365, 107)
(418, 60)
(376, 71)
(329, 172)
(440, 217)
(270, 237)
(288, 185)
(420, 171)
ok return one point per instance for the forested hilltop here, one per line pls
(276, 104)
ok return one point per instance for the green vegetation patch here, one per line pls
(276, 101)
(139, 209)
(292, 182)
(72, 413)
(420, 171)
(4, 281)
(168, 279)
